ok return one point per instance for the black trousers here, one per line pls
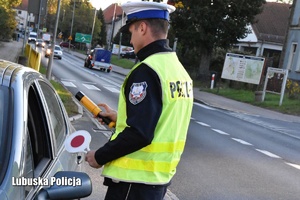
(135, 191)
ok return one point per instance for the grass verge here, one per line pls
(271, 101)
(122, 62)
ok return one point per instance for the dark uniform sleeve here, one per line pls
(142, 117)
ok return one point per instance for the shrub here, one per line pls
(293, 89)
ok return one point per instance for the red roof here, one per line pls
(109, 12)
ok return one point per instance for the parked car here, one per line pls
(66, 44)
(98, 58)
(40, 43)
(128, 54)
(57, 52)
(33, 127)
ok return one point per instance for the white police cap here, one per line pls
(136, 11)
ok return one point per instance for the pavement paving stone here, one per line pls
(11, 50)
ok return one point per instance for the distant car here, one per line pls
(40, 43)
(128, 54)
(57, 52)
(33, 128)
(32, 37)
(66, 44)
(99, 58)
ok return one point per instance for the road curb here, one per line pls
(79, 110)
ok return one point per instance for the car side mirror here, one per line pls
(67, 185)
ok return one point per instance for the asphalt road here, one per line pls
(228, 155)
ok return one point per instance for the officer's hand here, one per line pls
(109, 113)
(90, 158)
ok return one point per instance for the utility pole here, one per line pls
(72, 24)
(93, 26)
(120, 42)
(49, 68)
(39, 19)
(113, 28)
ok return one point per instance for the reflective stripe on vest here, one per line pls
(156, 163)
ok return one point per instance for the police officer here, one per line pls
(154, 111)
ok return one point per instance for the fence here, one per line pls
(32, 58)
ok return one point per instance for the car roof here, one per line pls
(9, 71)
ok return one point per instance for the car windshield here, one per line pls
(5, 129)
(57, 48)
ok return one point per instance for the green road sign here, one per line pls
(84, 38)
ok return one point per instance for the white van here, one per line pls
(32, 37)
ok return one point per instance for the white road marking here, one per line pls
(204, 106)
(203, 124)
(219, 131)
(68, 80)
(91, 83)
(110, 81)
(242, 141)
(293, 165)
(112, 89)
(68, 84)
(268, 153)
(91, 87)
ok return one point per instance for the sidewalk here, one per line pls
(11, 50)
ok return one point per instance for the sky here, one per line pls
(105, 3)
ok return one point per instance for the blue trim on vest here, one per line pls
(149, 14)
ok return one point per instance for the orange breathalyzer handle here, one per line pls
(93, 108)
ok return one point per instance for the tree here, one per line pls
(82, 22)
(202, 25)
(8, 21)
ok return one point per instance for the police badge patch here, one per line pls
(137, 92)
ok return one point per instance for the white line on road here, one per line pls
(242, 141)
(268, 153)
(204, 106)
(68, 84)
(112, 89)
(203, 124)
(63, 79)
(293, 165)
(91, 87)
(110, 81)
(219, 131)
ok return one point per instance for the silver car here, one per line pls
(33, 127)
(58, 52)
(40, 43)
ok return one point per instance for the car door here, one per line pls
(47, 128)
(60, 126)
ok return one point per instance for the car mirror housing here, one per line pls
(67, 191)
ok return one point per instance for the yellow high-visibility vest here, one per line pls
(156, 163)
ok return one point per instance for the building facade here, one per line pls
(291, 59)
